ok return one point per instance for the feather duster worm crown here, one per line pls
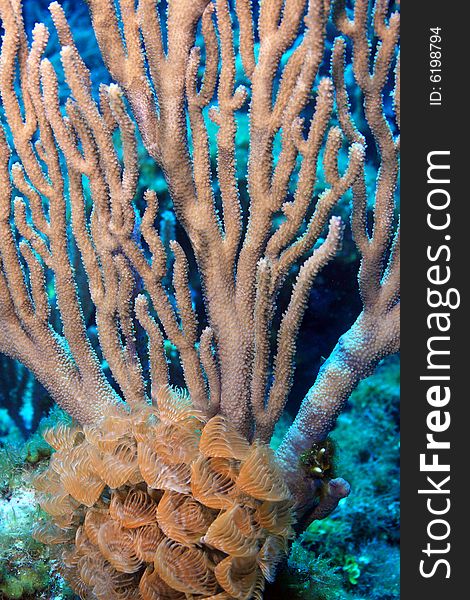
(161, 504)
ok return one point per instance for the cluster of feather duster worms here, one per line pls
(163, 504)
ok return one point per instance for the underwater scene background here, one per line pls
(354, 553)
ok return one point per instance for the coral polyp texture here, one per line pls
(161, 504)
(261, 128)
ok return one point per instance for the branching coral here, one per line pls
(244, 255)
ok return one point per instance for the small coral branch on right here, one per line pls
(376, 332)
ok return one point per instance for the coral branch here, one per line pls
(375, 333)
